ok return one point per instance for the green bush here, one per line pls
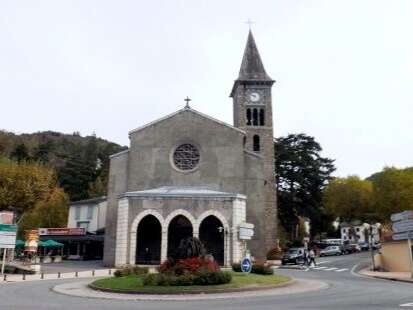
(212, 278)
(236, 267)
(127, 271)
(201, 278)
(262, 269)
(151, 279)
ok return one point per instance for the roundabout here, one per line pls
(82, 289)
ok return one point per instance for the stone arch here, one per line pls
(186, 230)
(134, 231)
(219, 241)
(174, 213)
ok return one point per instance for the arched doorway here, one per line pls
(148, 243)
(179, 228)
(211, 234)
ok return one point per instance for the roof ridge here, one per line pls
(186, 109)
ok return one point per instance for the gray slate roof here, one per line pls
(252, 67)
(183, 192)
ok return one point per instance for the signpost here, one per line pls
(403, 230)
(7, 240)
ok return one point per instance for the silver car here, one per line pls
(331, 250)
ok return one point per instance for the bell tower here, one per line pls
(252, 109)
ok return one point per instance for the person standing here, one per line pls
(311, 255)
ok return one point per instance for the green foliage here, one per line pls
(31, 190)
(82, 163)
(133, 270)
(262, 269)
(236, 267)
(186, 279)
(392, 192)
(349, 198)
(302, 173)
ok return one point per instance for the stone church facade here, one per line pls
(188, 174)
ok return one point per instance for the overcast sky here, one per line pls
(344, 69)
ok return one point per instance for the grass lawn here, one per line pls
(239, 281)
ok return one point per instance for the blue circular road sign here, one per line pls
(246, 265)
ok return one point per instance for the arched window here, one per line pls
(248, 117)
(262, 117)
(256, 143)
(255, 117)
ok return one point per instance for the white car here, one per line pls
(331, 250)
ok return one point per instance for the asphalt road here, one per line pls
(346, 291)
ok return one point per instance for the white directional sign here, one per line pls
(405, 215)
(403, 236)
(246, 231)
(402, 226)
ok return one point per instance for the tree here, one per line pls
(20, 153)
(393, 191)
(349, 199)
(31, 190)
(301, 175)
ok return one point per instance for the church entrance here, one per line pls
(148, 244)
(211, 234)
(179, 228)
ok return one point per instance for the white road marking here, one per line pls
(340, 270)
(320, 268)
(324, 262)
(330, 269)
(410, 304)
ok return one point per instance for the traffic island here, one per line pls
(134, 284)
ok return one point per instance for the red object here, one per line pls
(189, 265)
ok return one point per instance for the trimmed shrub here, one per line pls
(151, 279)
(127, 271)
(201, 278)
(188, 265)
(236, 267)
(212, 278)
(262, 269)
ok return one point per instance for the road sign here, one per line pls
(405, 215)
(246, 231)
(246, 265)
(8, 236)
(402, 226)
(403, 236)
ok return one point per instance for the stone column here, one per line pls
(164, 245)
(121, 247)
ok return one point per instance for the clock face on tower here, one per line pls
(254, 96)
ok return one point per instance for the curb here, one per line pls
(211, 291)
(383, 278)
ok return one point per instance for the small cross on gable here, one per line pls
(187, 99)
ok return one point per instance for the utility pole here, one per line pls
(371, 246)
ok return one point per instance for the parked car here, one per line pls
(376, 246)
(364, 246)
(293, 256)
(331, 250)
(351, 248)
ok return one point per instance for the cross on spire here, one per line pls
(187, 99)
(249, 22)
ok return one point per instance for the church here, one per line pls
(188, 174)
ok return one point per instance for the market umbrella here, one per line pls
(20, 243)
(52, 244)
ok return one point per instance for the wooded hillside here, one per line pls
(81, 163)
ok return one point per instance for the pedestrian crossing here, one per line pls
(326, 268)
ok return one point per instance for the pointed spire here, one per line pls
(251, 66)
